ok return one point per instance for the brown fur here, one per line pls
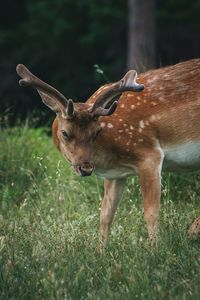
(194, 230)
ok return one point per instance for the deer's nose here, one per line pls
(86, 168)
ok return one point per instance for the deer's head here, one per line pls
(77, 123)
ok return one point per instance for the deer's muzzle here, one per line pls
(85, 168)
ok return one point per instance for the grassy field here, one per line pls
(49, 231)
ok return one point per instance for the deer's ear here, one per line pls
(52, 103)
(50, 96)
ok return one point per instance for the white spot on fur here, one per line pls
(125, 125)
(138, 103)
(152, 118)
(161, 98)
(120, 131)
(110, 125)
(138, 97)
(102, 124)
(132, 106)
(120, 120)
(140, 130)
(141, 124)
(122, 106)
(152, 79)
(145, 101)
(154, 103)
(131, 127)
(129, 95)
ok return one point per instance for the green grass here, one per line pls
(49, 231)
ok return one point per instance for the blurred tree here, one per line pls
(177, 30)
(61, 41)
(141, 35)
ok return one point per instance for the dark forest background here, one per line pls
(62, 40)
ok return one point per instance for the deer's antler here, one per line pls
(106, 103)
(50, 96)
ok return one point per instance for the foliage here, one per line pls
(182, 12)
(49, 231)
(62, 40)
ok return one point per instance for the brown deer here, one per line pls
(125, 129)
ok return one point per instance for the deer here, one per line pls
(140, 125)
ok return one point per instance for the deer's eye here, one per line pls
(65, 135)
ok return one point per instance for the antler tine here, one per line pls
(128, 82)
(28, 79)
(70, 109)
(108, 96)
(100, 111)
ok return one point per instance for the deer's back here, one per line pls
(166, 113)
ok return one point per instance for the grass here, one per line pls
(49, 231)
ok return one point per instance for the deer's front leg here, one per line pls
(113, 190)
(150, 181)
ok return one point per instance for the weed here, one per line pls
(49, 231)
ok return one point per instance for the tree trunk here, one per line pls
(141, 35)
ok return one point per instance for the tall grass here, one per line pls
(49, 231)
